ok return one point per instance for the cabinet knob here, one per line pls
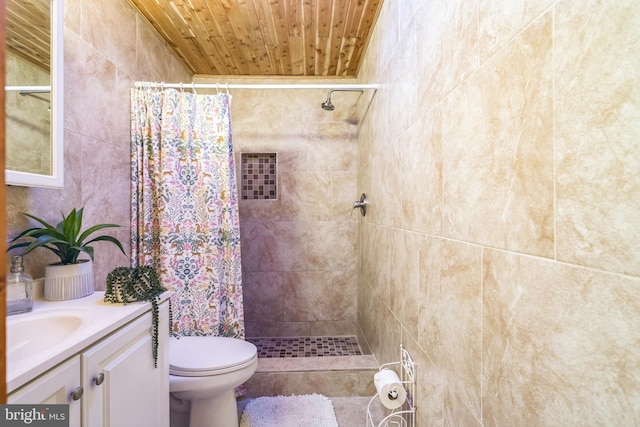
(77, 393)
(99, 379)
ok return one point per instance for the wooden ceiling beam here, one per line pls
(309, 10)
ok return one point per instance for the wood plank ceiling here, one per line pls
(265, 37)
(28, 31)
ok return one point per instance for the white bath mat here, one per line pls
(309, 410)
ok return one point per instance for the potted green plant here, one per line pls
(71, 277)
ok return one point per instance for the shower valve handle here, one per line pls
(362, 204)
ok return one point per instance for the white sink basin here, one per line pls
(30, 333)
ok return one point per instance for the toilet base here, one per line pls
(179, 412)
(220, 411)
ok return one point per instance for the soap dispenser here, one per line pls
(19, 288)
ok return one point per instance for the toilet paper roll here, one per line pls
(391, 392)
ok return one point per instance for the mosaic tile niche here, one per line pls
(259, 176)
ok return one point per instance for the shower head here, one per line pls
(327, 105)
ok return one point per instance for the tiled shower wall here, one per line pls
(107, 48)
(502, 245)
(299, 253)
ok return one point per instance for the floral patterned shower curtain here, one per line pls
(184, 208)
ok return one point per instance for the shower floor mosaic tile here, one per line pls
(272, 347)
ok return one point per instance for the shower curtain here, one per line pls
(184, 210)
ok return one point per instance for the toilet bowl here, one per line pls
(205, 371)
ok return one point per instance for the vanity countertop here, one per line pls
(99, 319)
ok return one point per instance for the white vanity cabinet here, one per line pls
(122, 386)
(58, 386)
(112, 382)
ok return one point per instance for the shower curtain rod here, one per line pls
(28, 89)
(254, 86)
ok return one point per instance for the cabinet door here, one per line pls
(54, 387)
(130, 391)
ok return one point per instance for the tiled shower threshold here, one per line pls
(304, 354)
(330, 365)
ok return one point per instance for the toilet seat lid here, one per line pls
(198, 356)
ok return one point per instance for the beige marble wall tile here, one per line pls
(332, 147)
(90, 88)
(328, 383)
(110, 28)
(559, 344)
(369, 183)
(380, 328)
(405, 277)
(280, 246)
(364, 184)
(378, 142)
(289, 142)
(111, 204)
(344, 296)
(71, 194)
(374, 259)
(429, 389)
(447, 51)
(450, 318)
(421, 182)
(250, 244)
(72, 15)
(332, 327)
(498, 160)
(387, 191)
(154, 62)
(307, 295)
(256, 210)
(305, 196)
(362, 341)
(122, 117)
(400, 77)
(364, 132)
(389, 330)
(500, 22)
(108, 256)
(277, 329)
(366, 330)
(387, 33)
(264, 296)
(332, 245)
(344, 192)
(283, 107)
(597, 68)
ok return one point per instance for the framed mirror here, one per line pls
(34, 93)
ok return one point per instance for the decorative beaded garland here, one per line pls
(131, 284)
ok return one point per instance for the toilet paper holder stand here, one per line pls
(405, 415)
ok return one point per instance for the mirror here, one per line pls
(34, 93)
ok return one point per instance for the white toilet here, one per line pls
(205, 371)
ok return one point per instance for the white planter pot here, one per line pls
(71, 281)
